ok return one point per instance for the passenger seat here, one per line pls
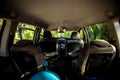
(75, 44)
(96, 58)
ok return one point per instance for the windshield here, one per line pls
(65, 34)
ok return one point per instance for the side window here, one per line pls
(98, 31)
(1, 22)
(24, 32)
(66, 34)
(56, 34)
(1, 28)
(81, 34)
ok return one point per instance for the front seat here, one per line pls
(75, 44)
(96, 58)
(48, 43)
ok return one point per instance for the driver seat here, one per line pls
(48, 43)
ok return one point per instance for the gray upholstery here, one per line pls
(75, 35)
(75, 43)
(96, 54)
(100, 43)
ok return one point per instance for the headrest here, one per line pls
(100, 43)
(47, 34)
(75, 35)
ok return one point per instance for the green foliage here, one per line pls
(66, 34)
(91, 33)
(54, 34)
(17, 37)
(81, 34)
(1, 22)
(98, 31)
(27, 32)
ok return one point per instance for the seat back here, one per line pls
(48, 46)
(47, 34)
(75, 43)
(96, 57)
(28, 57)
(48, 43)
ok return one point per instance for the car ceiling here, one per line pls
(71, 14)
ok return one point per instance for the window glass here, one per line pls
(98, 31)
(1, 22)
(24, 32)
(81, 34)
(1, 29)
(56, 34)
(65, 34)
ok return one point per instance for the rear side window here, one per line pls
(1, 23)
(66, 34)
(81, 34)
(24, 32)
(98, 31)
(1, 28)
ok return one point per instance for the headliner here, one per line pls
(56, 13)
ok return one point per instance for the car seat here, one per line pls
(96, 58)
(75, 44)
